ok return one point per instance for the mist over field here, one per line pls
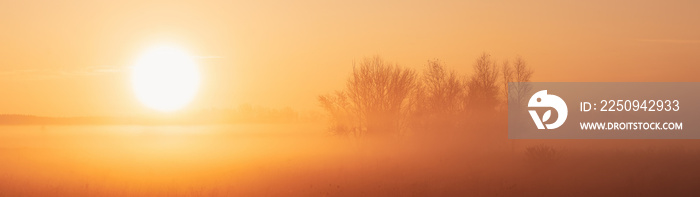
(303, 160)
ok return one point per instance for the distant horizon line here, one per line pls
(171, 119)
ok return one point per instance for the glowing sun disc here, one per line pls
(165, 78)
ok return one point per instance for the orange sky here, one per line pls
(63, 58)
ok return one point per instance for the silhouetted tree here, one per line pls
(440, 99)
(483, 87)
(381, 99)
(375, 100)
(507, 72)
(519, 72)
(344, 118)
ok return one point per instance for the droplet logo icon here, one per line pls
(542, 99)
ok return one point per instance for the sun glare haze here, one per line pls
(165, 78)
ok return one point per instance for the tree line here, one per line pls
(381, 99)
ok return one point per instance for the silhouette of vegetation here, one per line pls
(343, 118)
(542, 154)
(519, 72)
(439, 99)
(375, 101)
(482, 96)
(384, 99)
(507, 77)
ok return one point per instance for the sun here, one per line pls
(165, 78)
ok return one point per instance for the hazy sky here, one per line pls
(68, 58)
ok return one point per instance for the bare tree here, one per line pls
(442, 88)
(507, 73)
(343, 119)
(483, 87)
(441, 94)
(519, 91)
(375, 99)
